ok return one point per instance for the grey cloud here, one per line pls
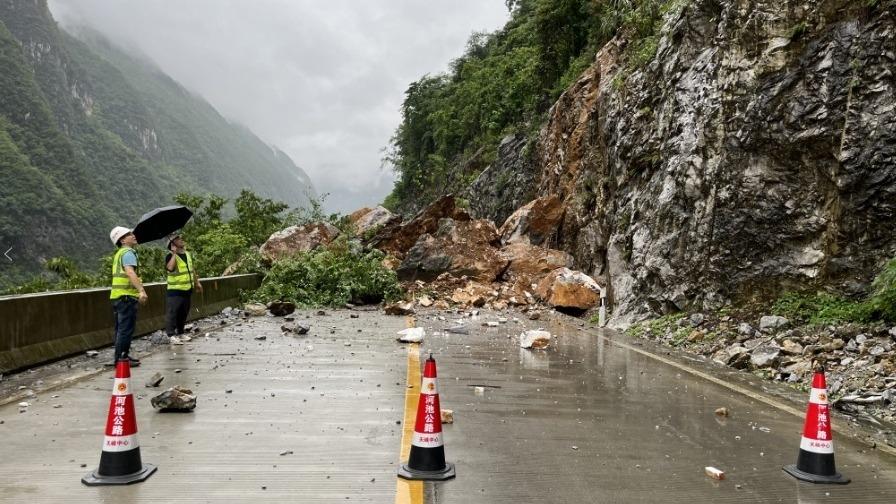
(322, 80)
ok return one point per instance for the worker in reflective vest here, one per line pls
(127, 291)
(182, 279)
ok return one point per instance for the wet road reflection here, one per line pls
(588, 421)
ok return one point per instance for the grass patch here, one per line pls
(821, 308)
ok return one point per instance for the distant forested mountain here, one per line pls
(91, 137)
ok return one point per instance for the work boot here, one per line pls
(134, 361)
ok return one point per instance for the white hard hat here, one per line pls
(117, 233)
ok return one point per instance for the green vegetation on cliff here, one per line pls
(505, 82)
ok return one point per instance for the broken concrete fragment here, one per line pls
(411, 335)
(458, 329)
(175, 399)
(424, 301)
(92, 353)
(261, 338)
(447, 416)
(535, 339)
(155, 380)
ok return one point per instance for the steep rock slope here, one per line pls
(754, 153)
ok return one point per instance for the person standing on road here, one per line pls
(182, 279)
(127, 291)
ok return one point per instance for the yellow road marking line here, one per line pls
(410, 492)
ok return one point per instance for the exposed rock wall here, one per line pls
(755, 153)
(506, 184)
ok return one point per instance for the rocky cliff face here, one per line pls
(754, 153)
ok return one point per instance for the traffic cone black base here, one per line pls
(96, 479)
(815, 461)
(446, 473)
(837, 478)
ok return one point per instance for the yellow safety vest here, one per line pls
(121, 284)
(182, 276)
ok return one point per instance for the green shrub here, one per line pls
(821, 308)
(330, 277)
(883, 299)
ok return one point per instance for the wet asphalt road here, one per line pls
(312, 419)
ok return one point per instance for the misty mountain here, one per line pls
(92, 137)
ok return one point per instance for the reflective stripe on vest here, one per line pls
(182, 276)
(121, 284)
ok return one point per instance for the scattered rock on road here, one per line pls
(175, 399)
(155, 380)
(536, 339)
(255, 309)
(400, 309)
(447, 416)
(411, 335)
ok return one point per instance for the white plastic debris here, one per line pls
(411, 335)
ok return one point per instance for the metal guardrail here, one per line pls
(42, 327)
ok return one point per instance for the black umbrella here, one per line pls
(160, 222)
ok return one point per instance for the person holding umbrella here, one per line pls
(127, 291)
(182, 279)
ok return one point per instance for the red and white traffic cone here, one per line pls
(120, 462)
(815, 462)
(427, 459)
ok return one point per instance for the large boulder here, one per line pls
(461, 248)
(564, 288)
(296, 239)
(530, 261)
(396, 239)
(534, 222)
(369, 220)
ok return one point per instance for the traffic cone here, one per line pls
(815, 462)
(120, 462)
(427, 458)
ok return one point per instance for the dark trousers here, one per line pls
(125, 309)
(177, 309)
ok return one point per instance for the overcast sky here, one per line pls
(321, 79)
